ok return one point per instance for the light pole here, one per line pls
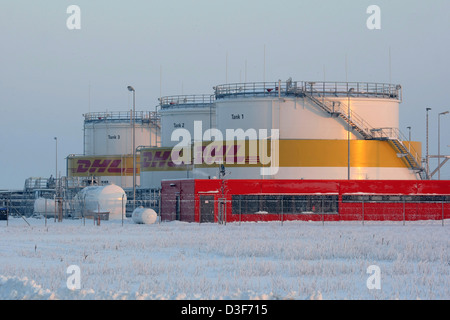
(348, 131)
(427, 157)
(409, 138)
(56, 166)
(56, 175)
(133, 115)
(439, 142)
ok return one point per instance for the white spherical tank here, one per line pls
(143, 215)
(99, 199)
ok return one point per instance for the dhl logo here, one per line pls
(213, 154)
(100, 166)
(166, 159)
(158, 159)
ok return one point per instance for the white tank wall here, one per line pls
(174, 118)
(107, 138)
(324, 173)
(244, 114)
(299, 118)
(379, 113)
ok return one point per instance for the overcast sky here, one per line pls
(47, 69)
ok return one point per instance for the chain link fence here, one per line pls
(209, 208)
(322, 208)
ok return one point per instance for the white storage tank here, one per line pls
(297, 116)
(111, 133)
(108, 145)
(181, 112)
(101, 199)
(326, 130)
(177, 112)
(143, 215)
(318, 123)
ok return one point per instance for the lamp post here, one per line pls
(409, 138)
(348, 131)
(56, 166)
(439, 142)
(56, 175)
(427, 157)
(133, 115)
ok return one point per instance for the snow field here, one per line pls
(177, 260)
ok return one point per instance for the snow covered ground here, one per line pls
(176, 260)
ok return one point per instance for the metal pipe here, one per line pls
(348, 131)
(427, 159)
(130, 88)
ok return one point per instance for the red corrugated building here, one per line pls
(217, 200)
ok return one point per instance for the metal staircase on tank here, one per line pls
(319, 92)
(336, 108)
(357, 123)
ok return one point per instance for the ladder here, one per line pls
(403, 152)
(358, 124)
(336, 108)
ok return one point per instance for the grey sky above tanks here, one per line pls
(51, 75)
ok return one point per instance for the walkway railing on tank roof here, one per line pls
(183, 101)
(321, 89)
(144, 116)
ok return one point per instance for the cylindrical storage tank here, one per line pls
(100, 199)
(318, 123)
(177, 112)
(111, 133)
(180, 112)
(143, 215)
(297, 112)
